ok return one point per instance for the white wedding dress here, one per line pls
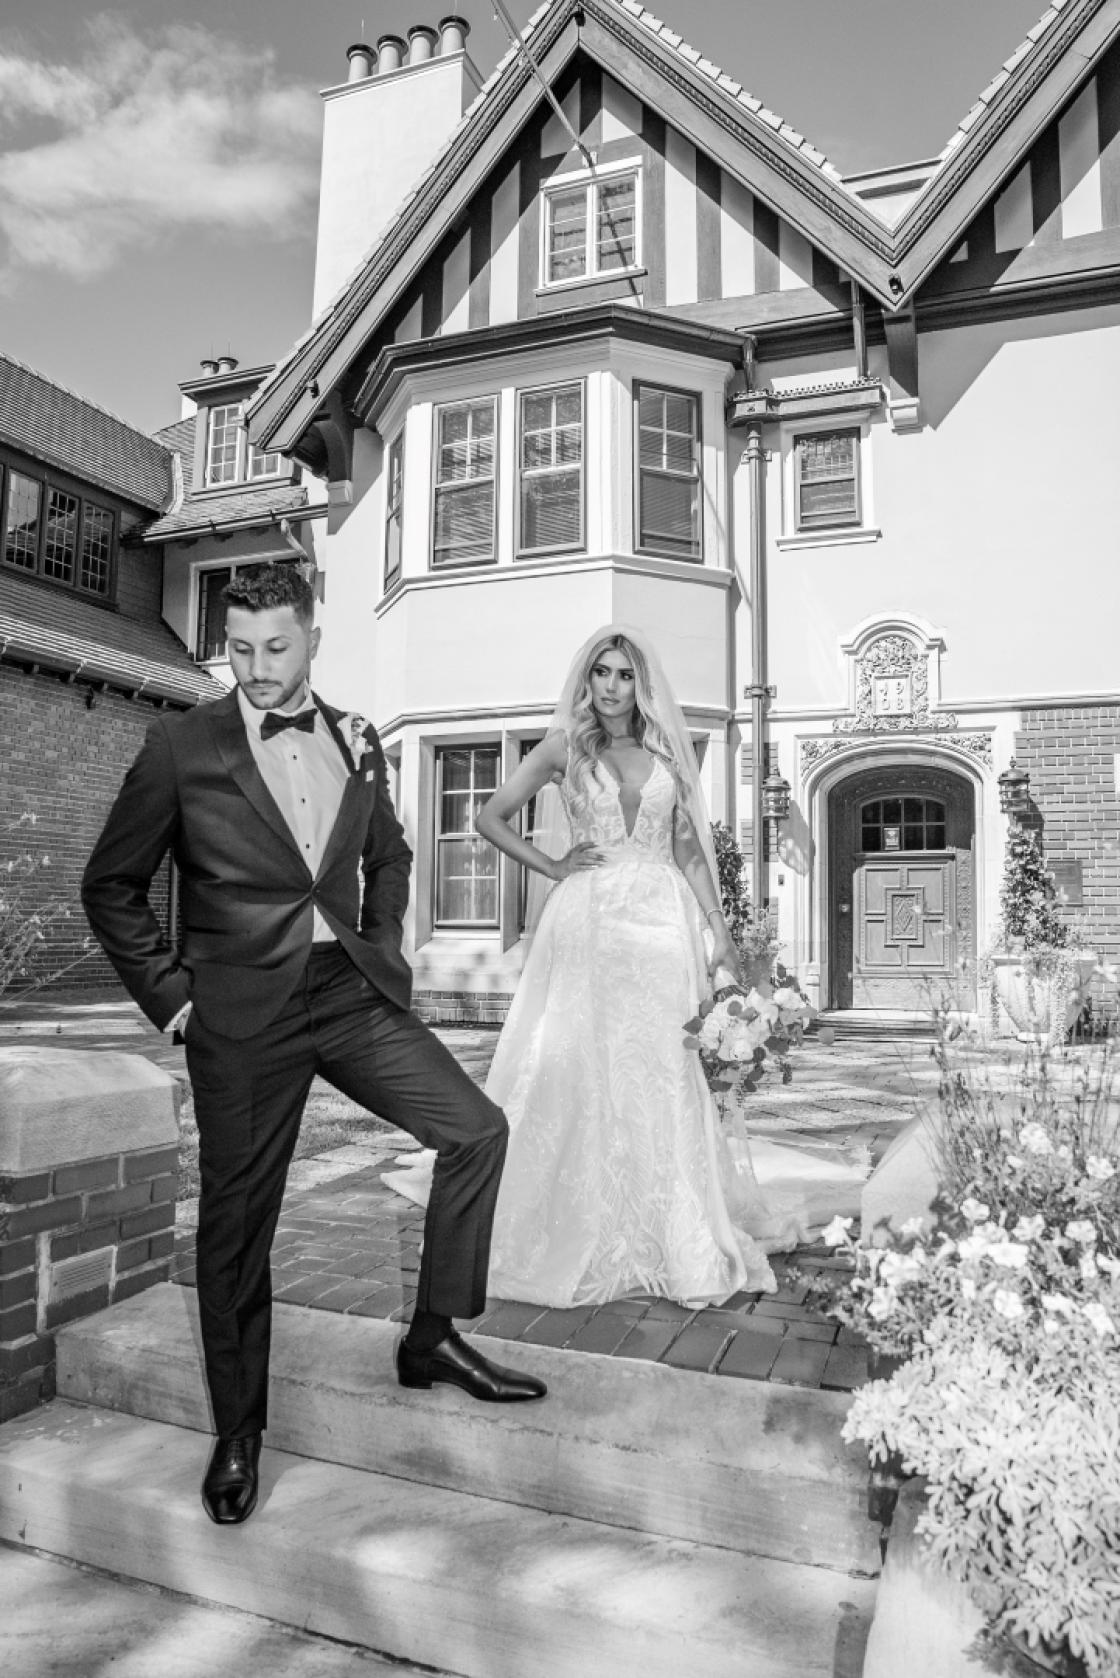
(619, 1178)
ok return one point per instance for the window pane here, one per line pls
(466, 443)
(935, 836)
(21, 524)
(464, 523)
(567, 235)
(826, 478)
(467, 885)
(263, 465)
(60, 539)
(394, 496)
(914, 838)
(551, 509)
(669, 513)
(221, 460)
(97, 548)
(211, 641)
(892, 810)
(456, 771)
(616, 239)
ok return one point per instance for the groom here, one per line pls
(294, 873)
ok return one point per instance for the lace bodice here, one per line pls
(592, 801)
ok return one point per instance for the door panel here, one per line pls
(905, 921)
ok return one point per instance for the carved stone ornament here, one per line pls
(978, 746)
(892, 691)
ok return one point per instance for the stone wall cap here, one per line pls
(62, 1106)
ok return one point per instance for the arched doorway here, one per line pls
(901, 911)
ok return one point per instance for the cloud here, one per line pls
(153, 133)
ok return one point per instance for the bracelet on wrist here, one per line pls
(708, 913)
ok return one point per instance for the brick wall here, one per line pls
(140, 583)
(64, 764)
(1070, 753)
(73, 1240)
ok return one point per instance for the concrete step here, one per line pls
(743, 1464)
(880, 1024)
(459, 1582)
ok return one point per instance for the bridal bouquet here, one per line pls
(744, 1036)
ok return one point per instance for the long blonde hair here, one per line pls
(588, 739)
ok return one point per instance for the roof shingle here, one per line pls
(238, 508)
(61, 631)
(45, 420)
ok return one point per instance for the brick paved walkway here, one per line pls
(347, 1243)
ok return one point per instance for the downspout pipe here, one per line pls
(754, 457)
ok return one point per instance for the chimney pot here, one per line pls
(453, 32)
(390, 54)
(361, 59)
(421, 43)
(226, 363)
(209, 366)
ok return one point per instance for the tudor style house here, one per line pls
(845, 447)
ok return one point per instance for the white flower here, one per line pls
(1111, 1265)
(1029, 1229)
(835, 1234)
(883, 1302)
(968, 1288)
(1088, 1267)
(1099, 1169)
(897, 1268)
(1012, 1255)
(352, 726)
(710, 1032)
(1008, 1304)
(912, 1226)
(1035, 1139)
(974, 1246)
(1058, 1304)
(1099, 1318)
(974, 1210)
(1083, 1231)
(1014, 1162)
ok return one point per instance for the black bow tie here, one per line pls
(275, 722)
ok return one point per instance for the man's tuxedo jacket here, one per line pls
(246, 892)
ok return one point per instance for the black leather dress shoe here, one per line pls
(229, 1491)
(460, 1365)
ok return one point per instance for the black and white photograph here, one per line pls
(559, 839)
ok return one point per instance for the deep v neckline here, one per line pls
(620, 788)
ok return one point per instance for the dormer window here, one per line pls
(591, 226)
(230, 457)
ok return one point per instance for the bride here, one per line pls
(618, 1179)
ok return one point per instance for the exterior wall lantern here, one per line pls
(775, 796)
(1014, 791)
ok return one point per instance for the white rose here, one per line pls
(1012, 1255)
(1083, 1231)
(974, 1210)
(1099, 1169)
(883, 1302)
(1058, 1304)
(710, 1033)
(968, 1288)
(1099, 1318)
(1035, 1139)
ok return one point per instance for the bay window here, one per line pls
(466, 864)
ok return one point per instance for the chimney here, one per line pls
(421, 44)
(362, 60)
(209, 367)
(381, 129)
(390, 54)
(453, 32)
(227, 363)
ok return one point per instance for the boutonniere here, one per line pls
(353, 728)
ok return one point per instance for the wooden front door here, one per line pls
(902, 909)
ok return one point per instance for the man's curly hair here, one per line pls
(262, 588)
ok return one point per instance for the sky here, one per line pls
(159, 159)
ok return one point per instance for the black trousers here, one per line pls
(249, 1098)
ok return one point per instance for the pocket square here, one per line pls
(371, 774)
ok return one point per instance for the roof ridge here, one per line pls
(784, 130)
(75, 396)
(991, 90)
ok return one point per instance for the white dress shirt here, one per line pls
(306, 775)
